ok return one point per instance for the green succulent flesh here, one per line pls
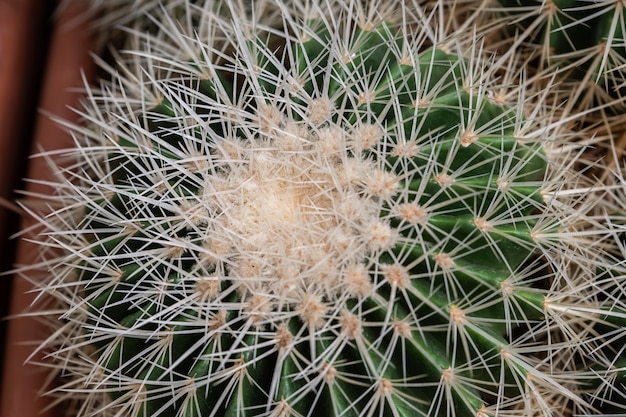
(576, 31)
(444, 285)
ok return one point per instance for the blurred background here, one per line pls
(45, 49)
(25, 33)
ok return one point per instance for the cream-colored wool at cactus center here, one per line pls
(295, 211)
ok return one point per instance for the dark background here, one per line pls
(26, 28)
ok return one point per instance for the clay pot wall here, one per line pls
(44, 53)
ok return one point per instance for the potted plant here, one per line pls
(339, 209)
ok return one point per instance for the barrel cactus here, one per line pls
(320, 209)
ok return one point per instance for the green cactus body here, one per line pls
(586, 34)
(346, 225)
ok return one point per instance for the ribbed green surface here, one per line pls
(589, 35)
(448, 289)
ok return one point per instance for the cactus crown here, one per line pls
(317, 216)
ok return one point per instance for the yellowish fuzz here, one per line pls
(292, 213)
(412, 213)
(396, 275)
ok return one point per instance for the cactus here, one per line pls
(319, 213)
(582, 40)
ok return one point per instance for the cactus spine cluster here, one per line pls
(323, 211)
(583, 42)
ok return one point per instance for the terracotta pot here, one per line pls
(22, 53)
(68, 55)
